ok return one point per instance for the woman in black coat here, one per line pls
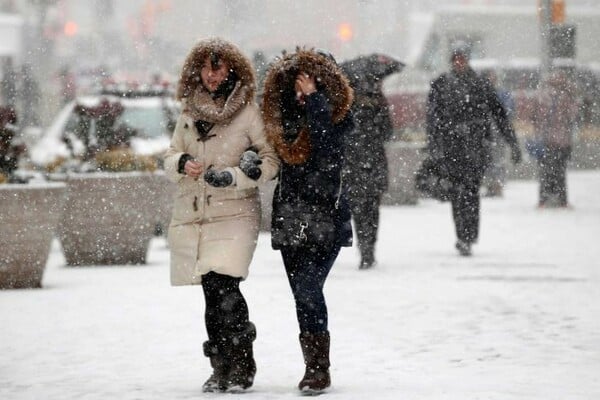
(306, 110)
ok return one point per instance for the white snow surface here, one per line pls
(518, 320)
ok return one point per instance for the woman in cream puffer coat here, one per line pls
(216, 211)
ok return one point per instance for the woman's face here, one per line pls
(211, 77)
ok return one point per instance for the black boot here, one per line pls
(217, 382)
(464, 248)
(315, 349)
(367, 259)
(243, 367)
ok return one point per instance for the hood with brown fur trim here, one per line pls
(281, 77)
(190, 82)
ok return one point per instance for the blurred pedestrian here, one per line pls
(9, 84)
(30, 96)
(9, 153)
(366, 169)
(460, 109)
(68, 85)
(555, 122)
(495, 174)
(306, 109)
(216, 215)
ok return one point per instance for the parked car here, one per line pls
(147, 114)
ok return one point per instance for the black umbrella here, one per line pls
(366, 72)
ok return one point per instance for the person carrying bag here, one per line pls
(306, 110)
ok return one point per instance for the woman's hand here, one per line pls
(305, 85)
(192, 168)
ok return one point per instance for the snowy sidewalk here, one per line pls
(518, 320)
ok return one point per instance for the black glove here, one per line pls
(218, 178)
(182, 160)
(249, 163)
(515, 154)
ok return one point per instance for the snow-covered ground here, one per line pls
(518, 320)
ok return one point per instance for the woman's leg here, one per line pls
(230, 334)
(307, 271)
(225, 305)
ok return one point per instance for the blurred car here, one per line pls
(149, 113)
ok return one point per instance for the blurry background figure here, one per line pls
(9, 83)
(30, 97)
(261, 65)
(366, 171)
(495, 174)
(9, 152)
(555, 123)
(68, 85)
(461, 108)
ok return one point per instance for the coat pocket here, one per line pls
(187, 205)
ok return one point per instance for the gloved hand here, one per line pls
(218, 178)
(515, 154)
(249, 163)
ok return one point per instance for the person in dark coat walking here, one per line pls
(460, 110)
(366, 169)
(306, 109)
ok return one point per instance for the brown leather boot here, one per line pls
(315, 349)
(217, 382)
(243, 367)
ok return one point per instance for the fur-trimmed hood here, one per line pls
(194, 96)
(280, 79)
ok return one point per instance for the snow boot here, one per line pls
(217, 382)
(464, 248)
(243, 367)
(315, 349)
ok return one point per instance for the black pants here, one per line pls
(465, 208)
(307, 270)
(553, 175)
(365, 211)
(226, 309)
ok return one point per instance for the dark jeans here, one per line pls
(306, 271)
(365, 211)
(553, 175)
(465, 209)
(226, 309)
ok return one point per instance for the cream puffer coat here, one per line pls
(215, 229)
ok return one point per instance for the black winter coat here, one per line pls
(460, 110)
(318, 181)
(366, 163)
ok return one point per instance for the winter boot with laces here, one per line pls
(243, 367)
(217, 382)
(315, 349)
